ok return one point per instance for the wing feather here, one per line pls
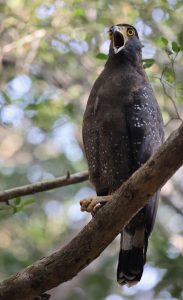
(146, 132)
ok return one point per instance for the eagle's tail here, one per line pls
(132, 255)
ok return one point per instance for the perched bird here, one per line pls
(122, 128)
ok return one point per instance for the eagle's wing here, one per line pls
(145, 127)
(146, 132)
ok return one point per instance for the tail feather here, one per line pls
(134, 243)
(132, 256)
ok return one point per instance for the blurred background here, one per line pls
(50, 54)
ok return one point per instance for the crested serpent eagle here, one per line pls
(122, 128)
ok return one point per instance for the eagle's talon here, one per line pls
(89, 204)
(93, 204)
(96, 208)
(85, 204)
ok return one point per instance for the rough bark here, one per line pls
(64, 264)
(43, 186)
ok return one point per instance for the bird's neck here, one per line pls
(125, 57)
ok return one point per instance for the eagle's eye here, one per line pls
(130, 32)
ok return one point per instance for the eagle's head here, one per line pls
(123, 37)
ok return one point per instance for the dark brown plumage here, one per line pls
(122, 128)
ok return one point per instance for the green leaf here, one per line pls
(175, 47)
(48, 110)
(16, 209)
(161, 42)
(168, 75)
(6, 98)
(79, 12)
(28, 202)
(164, 40)
(148, 62)
(102, 56)
(17, 200)
(180, 39)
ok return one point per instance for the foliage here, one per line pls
(51, 53)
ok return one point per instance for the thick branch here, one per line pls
(64, 264)
(42, 186)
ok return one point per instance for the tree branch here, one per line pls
(43, 186)
(38, 34)
(64, 264)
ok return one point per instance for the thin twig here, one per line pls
(168, 95)
(27, 39)
(43, 186)
(164, 83)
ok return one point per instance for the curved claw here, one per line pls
(89, 204)
(93, 204)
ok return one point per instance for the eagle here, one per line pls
(122, 128)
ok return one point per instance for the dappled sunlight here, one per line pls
(75, 214)
(10, 145)
(54, 209)
(20, 252)
(150, 278)
(5, 239)
(51, 54)
(12, 114)
(114, 297)
(64, 139)
(45, 10)
(35, 135)
(84, 193)
(19, 86)
(177, 242)
(35, 173)
(47, 150)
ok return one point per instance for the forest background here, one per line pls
(51, 53)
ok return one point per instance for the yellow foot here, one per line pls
(93, 204)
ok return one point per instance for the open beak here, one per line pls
(117, 39)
